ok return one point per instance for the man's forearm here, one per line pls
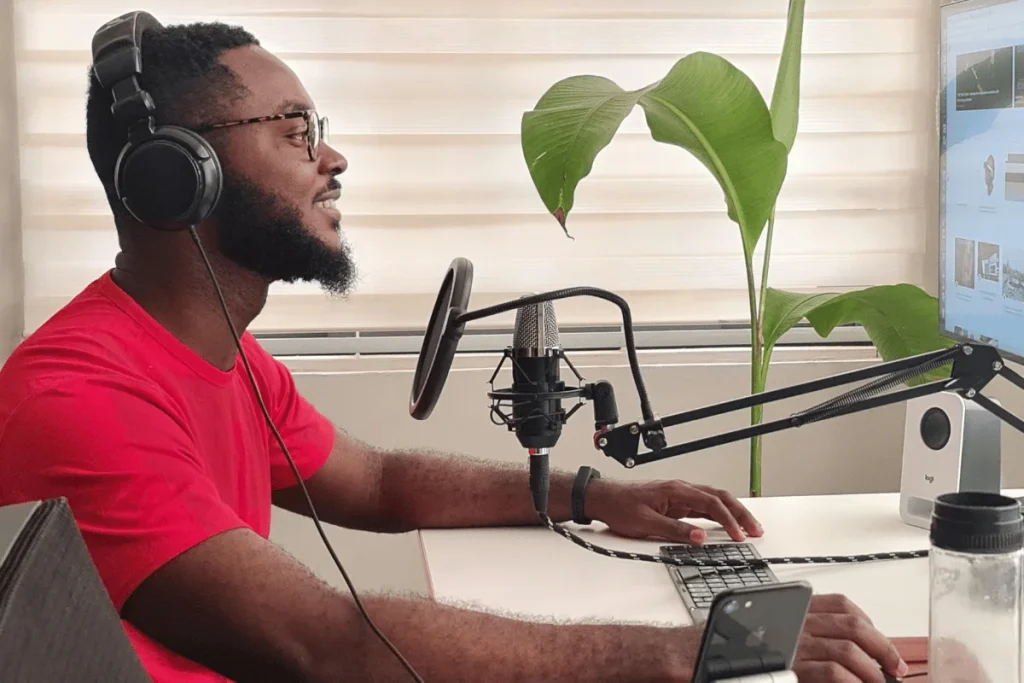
(450, 644)
(239, 605)
(423, 491)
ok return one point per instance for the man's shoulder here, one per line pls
(83, 379)
(81, 424)
(90, 341)
(87, 345)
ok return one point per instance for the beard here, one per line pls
(261, 232)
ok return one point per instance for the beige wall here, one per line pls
(369, 398)
(11, 316)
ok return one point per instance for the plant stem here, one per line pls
(755, 373)
(759, 356)
(764, 273)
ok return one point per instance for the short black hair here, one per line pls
(188, 84)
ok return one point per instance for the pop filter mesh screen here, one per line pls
(57, 622)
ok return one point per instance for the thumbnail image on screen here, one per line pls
(981, 292)
(984, 80)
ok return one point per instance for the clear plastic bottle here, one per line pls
(977, 547)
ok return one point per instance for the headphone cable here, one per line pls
(291, 463)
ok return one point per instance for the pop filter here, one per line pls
(441, 339)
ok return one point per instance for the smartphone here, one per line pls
(752, 630)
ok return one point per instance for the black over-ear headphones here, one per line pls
(168, 177)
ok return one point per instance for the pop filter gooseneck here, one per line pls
(441, 338)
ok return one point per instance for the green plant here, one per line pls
(714, 111)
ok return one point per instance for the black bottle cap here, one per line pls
(983, 523)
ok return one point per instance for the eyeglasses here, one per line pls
(317, 128)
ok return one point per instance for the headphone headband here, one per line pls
(117, 63)
(167, 176)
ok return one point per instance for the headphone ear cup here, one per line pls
(170, 180)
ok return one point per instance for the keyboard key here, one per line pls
(698, 586)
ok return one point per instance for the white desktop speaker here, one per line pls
(950, 444)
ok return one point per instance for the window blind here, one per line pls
(425, 100)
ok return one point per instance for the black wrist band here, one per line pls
(579, 491)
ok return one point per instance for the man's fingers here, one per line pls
(854, 643)
(737, 509)
(672, 529)
(847, 661)
(836, 604)
(711, 506)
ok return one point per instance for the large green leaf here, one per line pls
(785, 310)
(901, 320)
(714, 111)
(786, 97)
(574, 120)
(704, 105)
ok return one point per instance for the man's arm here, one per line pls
(358, 486)
(363, 487)
(239, 605)
(393, 491)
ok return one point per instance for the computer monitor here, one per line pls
(981, 133)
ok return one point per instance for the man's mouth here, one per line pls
(327, 202)
(329, 208)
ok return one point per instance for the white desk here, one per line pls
(537, 574)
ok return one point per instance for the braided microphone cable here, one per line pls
(697, 562)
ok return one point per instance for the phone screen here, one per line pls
(753, 630)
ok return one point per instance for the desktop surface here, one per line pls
(536, 574)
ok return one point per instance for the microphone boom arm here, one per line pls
(973, 368)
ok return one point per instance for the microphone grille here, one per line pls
(529, 323)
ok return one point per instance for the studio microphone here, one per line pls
(537, 390)
(535, 356)
(537, 414)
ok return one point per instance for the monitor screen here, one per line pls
(981, 217)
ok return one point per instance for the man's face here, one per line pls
(276, 215)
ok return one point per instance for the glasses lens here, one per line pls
(313, 134)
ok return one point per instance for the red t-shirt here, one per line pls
(155, 449)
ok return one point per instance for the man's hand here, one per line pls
(653, 510)
(840, 645)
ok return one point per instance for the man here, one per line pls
(131, 403)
